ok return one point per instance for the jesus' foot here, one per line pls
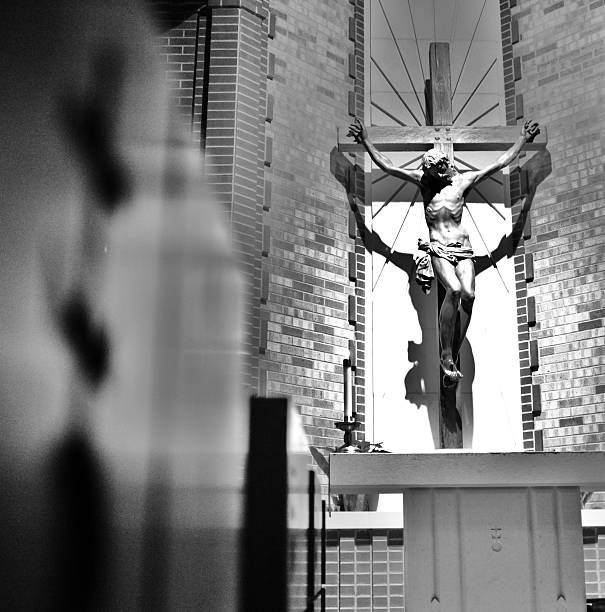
(450, 370)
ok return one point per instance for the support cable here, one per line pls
(386, 261)
(386, 78)
(387, 202)
(416, 39)
(386, 112)
(469, 48)
(489, 110)
(489, 254)
(474, 90)
(402, 60)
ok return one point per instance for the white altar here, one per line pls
(484, 531)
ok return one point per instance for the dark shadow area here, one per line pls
(88, 340)
(537, 168)
(465, 390)
(414, 382)
(168, 14)
(89, 122)
(81, 534)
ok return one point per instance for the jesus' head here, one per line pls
(437, 164)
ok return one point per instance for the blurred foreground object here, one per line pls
(284, 541)
(123, 429)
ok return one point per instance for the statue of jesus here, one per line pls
(448, 254)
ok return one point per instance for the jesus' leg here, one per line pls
(446, 274)
(465, 271)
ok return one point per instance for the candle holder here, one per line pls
(348, 426)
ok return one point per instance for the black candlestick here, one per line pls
(348, 425)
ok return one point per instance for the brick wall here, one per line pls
(233, 134)
(311, 322)
(594, 562)
(365, 569)
(554, 70)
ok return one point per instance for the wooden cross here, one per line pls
(440, 133)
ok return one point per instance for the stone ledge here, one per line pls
(393, 473)
(394, 520)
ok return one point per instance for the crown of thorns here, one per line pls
(433, 156)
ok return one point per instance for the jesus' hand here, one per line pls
(530, 130)
(358, 131)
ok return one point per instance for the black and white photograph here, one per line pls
(246, 244)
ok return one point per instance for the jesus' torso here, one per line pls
(443, 205)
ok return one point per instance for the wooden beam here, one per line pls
(441, 93)
(441, 86)
(391, 138)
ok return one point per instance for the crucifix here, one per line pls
(448, 254)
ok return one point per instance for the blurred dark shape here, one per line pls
(265, 547)
(91, 124)
(80, 518)
(156, 538)
(283, 541)
(88, 341)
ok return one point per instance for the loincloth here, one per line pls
(453, 252)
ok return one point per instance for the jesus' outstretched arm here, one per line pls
(529, 131)
(359, 133)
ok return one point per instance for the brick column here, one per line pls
(216, 67)
(358, 354)
(232, 119)
(514, 112)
